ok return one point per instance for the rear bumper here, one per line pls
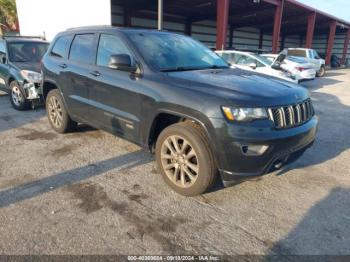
(284, 146)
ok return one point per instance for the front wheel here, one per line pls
(184, 159)
(58, 116)
(18, 101)
(321, 72)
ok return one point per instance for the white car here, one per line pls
(311, 56)
(300, 68)
(252, 62)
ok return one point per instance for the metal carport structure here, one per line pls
(278, 18)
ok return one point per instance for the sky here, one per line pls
(339, 8)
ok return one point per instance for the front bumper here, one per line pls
(283, 146)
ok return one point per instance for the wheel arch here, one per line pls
(165, 118)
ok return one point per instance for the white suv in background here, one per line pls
(311, 56)
(300, 68)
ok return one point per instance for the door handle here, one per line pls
(95, 73)
(63, 66)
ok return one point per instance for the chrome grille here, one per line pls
(293, 115)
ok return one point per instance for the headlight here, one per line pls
(30, 76)
(244, 114)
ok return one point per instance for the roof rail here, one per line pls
(23, 36)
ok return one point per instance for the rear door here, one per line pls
(4, 69)
(115, 94)
(77, 75)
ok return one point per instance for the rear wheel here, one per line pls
(321, 72)
(17, 98)
(184, 159)
(58, 116)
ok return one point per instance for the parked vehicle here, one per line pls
(20, 74)
(298, 67)
(311, 56)
(172, 95)
(256, 63)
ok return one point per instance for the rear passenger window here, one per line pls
(61, 47)
(82, 49)
(2, 47)
(110, 45)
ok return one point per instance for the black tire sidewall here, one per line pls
(66, 121)
(206, 166)
(24, 104)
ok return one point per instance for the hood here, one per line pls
(31, 66)
(241, 87)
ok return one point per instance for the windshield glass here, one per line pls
(172, 52)
(26, 51)
(263, 59)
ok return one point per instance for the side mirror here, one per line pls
(121, 62)
(2, 58)
(253, 66)
(276, 65)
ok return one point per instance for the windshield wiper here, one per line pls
(179, 68)
(182, 68)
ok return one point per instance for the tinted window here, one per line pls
(61, 47)
(244, 60)
(110, 45)
(26, 51)
(82, 49)
(168, 52)
(296, 52)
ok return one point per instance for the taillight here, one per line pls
(301, 69)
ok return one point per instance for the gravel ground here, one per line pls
(91, 193)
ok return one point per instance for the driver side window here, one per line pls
(110, 45)
(245, 60)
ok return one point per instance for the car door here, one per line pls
(76, 75)
(115, 94)
(314, 59)
(4, 68)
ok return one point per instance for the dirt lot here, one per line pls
(91, 193)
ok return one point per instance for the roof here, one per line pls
(23, 39)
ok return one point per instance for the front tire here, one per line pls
(184, 159)
(18, 101)
(321, 72)
(57, 113)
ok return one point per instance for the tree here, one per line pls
(8, 15)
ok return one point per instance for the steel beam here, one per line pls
(160, 14)
(311, 19)
(222, 13)
(277, 27)
(331, 36)
(346, 46)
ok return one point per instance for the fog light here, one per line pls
(254, 150)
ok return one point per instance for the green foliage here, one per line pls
(8, 14)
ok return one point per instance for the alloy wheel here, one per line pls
(55, 112)
(179, 161)
(17, 96)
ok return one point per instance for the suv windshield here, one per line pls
(172, 52)
(26, 51)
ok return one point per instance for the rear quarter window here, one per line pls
(296, 52)
(61, 46)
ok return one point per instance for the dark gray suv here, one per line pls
(170, 94)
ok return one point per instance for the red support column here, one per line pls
(332, 30)
(277, 27)
(311, 19)
(188, 27)
(221, 23)
(346, 46)
(127, 16)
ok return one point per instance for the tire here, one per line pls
(17, 98)
(321, 72)
(57, 114)
(188, 170)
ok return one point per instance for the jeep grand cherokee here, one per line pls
(170, 94)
